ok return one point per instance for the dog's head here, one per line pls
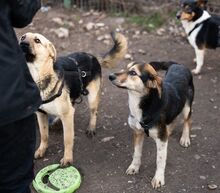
(191, 10)
(37, 48)
(137, 77)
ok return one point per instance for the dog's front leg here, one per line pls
(44, 134)
(138, 145)
(68, 134)
(199, 60)
(158, 179)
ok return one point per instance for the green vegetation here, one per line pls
(150, 21)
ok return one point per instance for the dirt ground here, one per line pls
(103, 164)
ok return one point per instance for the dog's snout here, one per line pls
(112, 77)
(24, 44)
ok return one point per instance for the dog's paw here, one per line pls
(39, 153)
(90, 133)
(157, 181)
(195, 71)
(66, 161)
(185, 141)
(132, 169)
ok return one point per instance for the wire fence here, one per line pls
(130, 6)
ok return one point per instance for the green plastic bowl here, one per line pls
(56, 179)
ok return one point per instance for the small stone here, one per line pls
(99, 25)
(202, 177)
(58, 21)
(212, 186)
(211, 100)
(128, 57)
(141, 51)
(197, 128)
(106, 139)
(62, 32)
(80, 21)
(89, 26)
(197, 156)
(107, 42)
(100, 38)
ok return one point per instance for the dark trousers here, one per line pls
(17, 146)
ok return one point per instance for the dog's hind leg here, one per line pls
(94, 89)
(68, 135)
(200, 54)
(138, 145)
(159, 178)
(185, 138)
(44, 134)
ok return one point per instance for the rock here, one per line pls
(197, 156)
(62, 32)
(141, 51)
(98, 25)
(100, 38)
(212, 186)
(58, 21)
(107, 42)
(196, 128)
(70, 24)
(160, 31)
(89, 26)
(80, 21)
(106, 139)
(128, 57)
(107, 36)
(202, 177)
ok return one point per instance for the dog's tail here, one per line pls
(162, 65)
(117, 52)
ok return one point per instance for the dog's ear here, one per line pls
(153, 81)
(130, 65)
(202, 3)
(52, 51)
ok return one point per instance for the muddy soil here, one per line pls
(103, 164)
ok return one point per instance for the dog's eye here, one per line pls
(23, 37)
(37, 40)
(132, 73)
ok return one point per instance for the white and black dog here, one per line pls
(154, 104)
(202, 28)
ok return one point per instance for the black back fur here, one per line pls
(177, 89)
(74, 63)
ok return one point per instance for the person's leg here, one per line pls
(17, 146)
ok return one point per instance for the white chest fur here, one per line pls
(135, 112)
(189, 26)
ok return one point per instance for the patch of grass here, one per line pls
(149, 22)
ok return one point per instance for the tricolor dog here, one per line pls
(202, 29)
(154, 105)
(62, 81)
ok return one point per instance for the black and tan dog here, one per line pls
(202, 29)
(154, 104)
(62, 81)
